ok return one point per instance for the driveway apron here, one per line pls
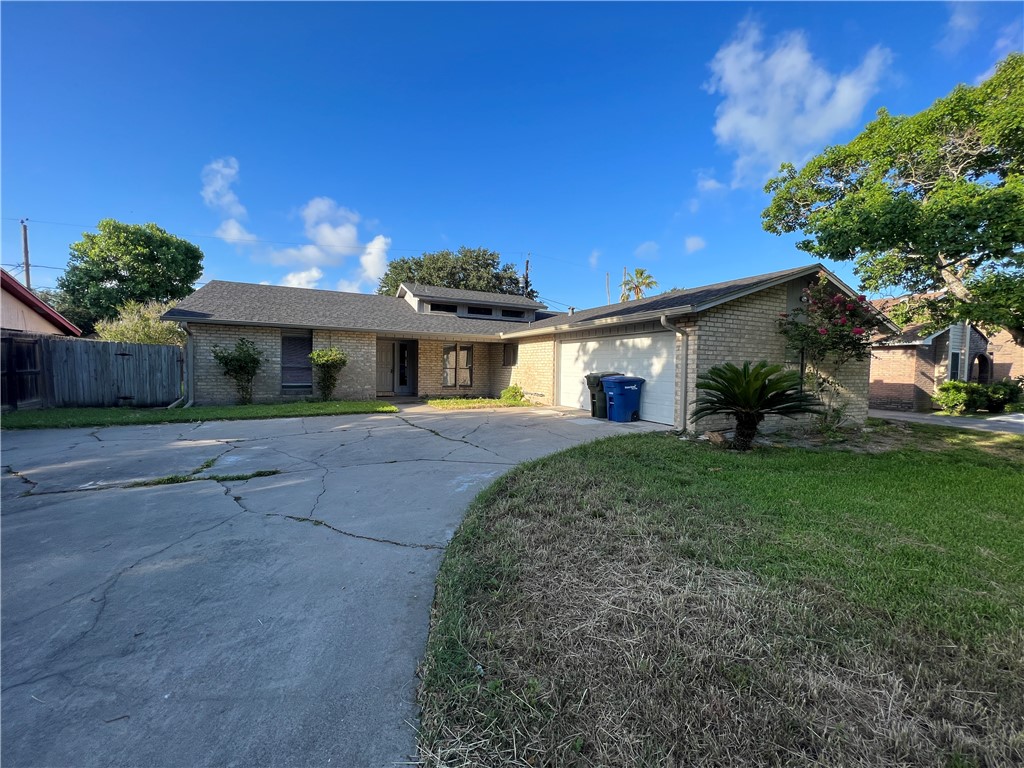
(237, 619)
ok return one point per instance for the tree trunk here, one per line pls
(746, 430)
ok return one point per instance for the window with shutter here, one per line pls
(457, 365)
(296, 369)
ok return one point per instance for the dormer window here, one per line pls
(449, 308)
(516, 313)
(482, 311)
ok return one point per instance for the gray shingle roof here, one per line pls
(675, 300)
(246, 303)
(480, 297)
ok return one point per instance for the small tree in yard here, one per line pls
(327, 365)
(830, 329)
(748, 394)
(141, 324)
(240, 364)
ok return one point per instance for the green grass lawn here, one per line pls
(469, 403)
(61, 418)
(649, 601)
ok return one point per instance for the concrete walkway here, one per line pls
(271, 621)
(1010, 423)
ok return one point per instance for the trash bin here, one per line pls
(598, 402)
(623, 397)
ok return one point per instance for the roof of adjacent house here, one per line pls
(19, 291)
(911, 333)
(248, 304)
(477, 297)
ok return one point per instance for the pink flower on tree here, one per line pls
(850, 307)
(858, 331)
(842, 321)
(823, 331)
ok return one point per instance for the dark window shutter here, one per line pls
(296, 369)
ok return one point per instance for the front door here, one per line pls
(405, 365)
(385, 367)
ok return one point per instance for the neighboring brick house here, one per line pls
(428, 341)
(907, 368)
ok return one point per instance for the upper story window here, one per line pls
(435, 307)
(517, 313)
(485, 311)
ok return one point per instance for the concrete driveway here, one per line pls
(270, 621)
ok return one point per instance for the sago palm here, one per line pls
(635, 285)
(748, 394)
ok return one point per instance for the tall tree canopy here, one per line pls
(471, 269)
(636, 285)
(932, 202)
(123, 263)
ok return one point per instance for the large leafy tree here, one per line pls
(471, 269)
(122, 263)
(636, 285)
(925, 203)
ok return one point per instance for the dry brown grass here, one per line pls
(595, 643)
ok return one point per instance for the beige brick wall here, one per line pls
(212, 387)
(902, 378)
(534, 370)
(358, 379)
(747, 329)
(429, 379)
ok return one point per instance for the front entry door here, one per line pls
(404, 368)
(385, 367)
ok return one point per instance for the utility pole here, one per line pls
(24, 252)
(608, 285)
(526, 276)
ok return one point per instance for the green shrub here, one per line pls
(327, 365)
(240, 364)
(961, 396)
(1003, 393)
(513, 394)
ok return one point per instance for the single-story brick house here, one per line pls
(429, 341)
(908, 367)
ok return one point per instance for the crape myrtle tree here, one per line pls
(122, 263)
(830, 329)
(470, 269)
(931, 203)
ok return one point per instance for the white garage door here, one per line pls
(650, 357)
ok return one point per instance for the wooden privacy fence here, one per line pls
(59, 371)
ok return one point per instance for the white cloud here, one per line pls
(694, 243)
(693, 205)
(960, 28)
(332, 231)
(646, 250)
(708, 183)
(217, 193)
(305, 279)
(232, 231)
(779, 104)
(1011, 38)
(592, 259)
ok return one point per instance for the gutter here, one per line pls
(684, 336)
(638, 317)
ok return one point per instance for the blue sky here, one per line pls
(307, 144)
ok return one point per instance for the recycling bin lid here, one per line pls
(623, 379)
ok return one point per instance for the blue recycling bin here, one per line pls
(623, 394)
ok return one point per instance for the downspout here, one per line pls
(683, 384)
(190, 369)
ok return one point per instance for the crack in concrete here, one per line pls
(24, 478)
(327, 525)
(107, 586)
(445, 437)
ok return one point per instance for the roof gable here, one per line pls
(19, 291)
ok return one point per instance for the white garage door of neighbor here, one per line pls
(650, 357)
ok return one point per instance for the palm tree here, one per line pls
(635, 285)
(749, 394)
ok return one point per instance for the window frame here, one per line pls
(458, 348)
(443, 307)
(509, 355)
(478, 311)
(296, 386)
(515, 314)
